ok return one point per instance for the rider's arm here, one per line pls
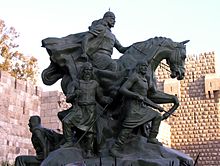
(119, 47)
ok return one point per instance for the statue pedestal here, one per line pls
(136, 152)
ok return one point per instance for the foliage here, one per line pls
(17, 64)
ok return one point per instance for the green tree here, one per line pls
(17, 64)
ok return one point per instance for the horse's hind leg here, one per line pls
(164, 98)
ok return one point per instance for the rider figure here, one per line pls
(98, 43)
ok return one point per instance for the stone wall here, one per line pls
(196, 129)
(18, 101)
(51, 103)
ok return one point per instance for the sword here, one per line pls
(162, 110)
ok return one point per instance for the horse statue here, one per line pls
(65, 65)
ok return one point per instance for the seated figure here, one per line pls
(44, 141)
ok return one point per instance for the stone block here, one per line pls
(172, 86)
(212, 83)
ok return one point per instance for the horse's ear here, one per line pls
(184, 42)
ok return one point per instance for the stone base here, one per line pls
(136, 152)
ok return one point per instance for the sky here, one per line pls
(136, 20)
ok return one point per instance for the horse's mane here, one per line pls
(156, 41)
(144, 50)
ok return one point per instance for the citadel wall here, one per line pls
(196, 129)
(18, 101)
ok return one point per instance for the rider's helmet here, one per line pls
(109, 14)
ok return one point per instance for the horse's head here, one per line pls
(176, 60)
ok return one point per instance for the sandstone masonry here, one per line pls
(18, 101)
(196, 129)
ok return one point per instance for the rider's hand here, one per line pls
(124, 49)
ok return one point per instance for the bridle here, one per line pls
(162, 65)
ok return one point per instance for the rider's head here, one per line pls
(109, 14)
(109, 17)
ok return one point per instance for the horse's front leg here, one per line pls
(164, 98)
